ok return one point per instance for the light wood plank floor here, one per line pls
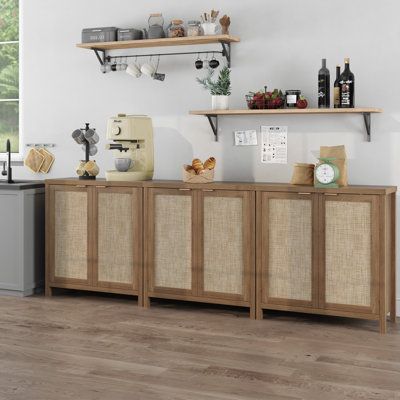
(85, 347)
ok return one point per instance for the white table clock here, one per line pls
(326, 174)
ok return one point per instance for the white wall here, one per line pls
(282, 43)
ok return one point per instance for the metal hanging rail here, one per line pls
(225, 52)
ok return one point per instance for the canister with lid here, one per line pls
(193, 28)
(291, 98)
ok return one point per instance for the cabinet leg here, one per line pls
(146, 302)
(253, 312)
(48, 291)
(393, 312)
(383, 324)
(259, 313)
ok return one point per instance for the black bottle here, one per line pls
(324, 93)
(336, 89)
(347, 86)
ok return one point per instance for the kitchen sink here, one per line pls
(20, 185)
(16, 182)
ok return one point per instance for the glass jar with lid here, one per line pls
(156, 23)
(176, 29)
(193, 28)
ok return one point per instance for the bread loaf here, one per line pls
(197, 165)
(210, 163)
(189, 169)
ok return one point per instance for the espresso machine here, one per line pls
(132, 146)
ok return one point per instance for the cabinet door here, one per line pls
(287, 247)
(349, 253)
(226, 254)
(69, 237)
(117, 244)
(170, 258)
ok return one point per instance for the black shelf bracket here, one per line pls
(367, 121)
(226, 52)
(213, 120)
(101, 58)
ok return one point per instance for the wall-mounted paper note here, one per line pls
(274, 144)
(245, 138)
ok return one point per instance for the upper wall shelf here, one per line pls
(214, 114)
(104, 47)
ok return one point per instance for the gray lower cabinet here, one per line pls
(22, 240)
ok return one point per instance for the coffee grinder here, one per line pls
(132, 146)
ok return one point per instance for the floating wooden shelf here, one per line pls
(138, 44)
(213, 115)
(104, 47)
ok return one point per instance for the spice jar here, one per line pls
(176, 28)
(291, 98)
(193, 28)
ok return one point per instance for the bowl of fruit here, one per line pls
(265, 100)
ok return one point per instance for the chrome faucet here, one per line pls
(8, 172)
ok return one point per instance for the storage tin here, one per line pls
(129, 34)
(92, 35)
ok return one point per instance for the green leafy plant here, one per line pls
(220, 87)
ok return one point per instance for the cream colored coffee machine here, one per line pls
(133, 147)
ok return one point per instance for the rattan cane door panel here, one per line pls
(118, 244)
(288, 249)
(70, 244)
(226, 263)
(349, 278)
(171, 219)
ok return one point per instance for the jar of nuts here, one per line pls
(176, 29)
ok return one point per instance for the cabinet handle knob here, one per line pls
(80, 186)
(208, 190)
(330, 194)
(101, 186)
(184, 189)
(304, 193)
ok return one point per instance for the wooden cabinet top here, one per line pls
(254, 186)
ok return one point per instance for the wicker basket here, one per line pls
(206, 176)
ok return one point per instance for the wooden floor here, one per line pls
(91, 347)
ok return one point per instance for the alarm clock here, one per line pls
(326, 174)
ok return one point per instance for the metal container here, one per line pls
(92, 35)
(129, 34)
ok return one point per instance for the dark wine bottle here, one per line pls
(346, 83)
(336, 88)
(324, 92)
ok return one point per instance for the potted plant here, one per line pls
(220, 89)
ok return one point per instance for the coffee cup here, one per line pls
(134, 70)
(148, 69)
(78, 136)
(122, 164)
(91, 136)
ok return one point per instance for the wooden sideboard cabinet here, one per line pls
(327, 253)
(94, 238)
(256, 245)
(200, 245)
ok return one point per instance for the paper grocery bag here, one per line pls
(303, 174)
(339, 153)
